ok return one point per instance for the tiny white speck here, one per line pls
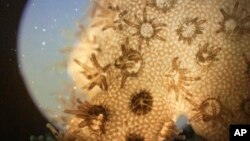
(33, 4)
(43, 43)
(54, 20)
(44, 30)
(13, 50)
(75, 88)
(23, 55)
(76, 9)
(35, 27)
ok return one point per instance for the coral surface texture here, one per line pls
(143, 63)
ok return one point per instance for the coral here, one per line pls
(189, 29)
(146, 28)
(163, 5)
(138, 52)
(141, 103)
(210, 110)
(247, 63)
(170, 132)
(94, 116)
(234, 23)
(111, 11)
(206, 55)
(134, 137)
(177, 79)
(98, 77)
(130, 62)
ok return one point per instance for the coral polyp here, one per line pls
(134, 137)
(170, 132)
(234, 23)
(190, 29)
(246, 106)
(94, 116)
(247, 61)
(143, 63)
(177, 79)
(207, 55)
(97, 77)
(146, 28)
(162, 5)
(130, 62)
(210, 110)
(141, 103)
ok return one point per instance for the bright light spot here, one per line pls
(75, 88)
(59, 107)
(43, 43)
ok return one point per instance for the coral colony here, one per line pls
(143, 63)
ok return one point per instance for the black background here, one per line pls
(19, 117)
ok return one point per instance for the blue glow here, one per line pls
(46, 27)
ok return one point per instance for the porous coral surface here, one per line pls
(146, 62)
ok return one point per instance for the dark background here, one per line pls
(19, 117)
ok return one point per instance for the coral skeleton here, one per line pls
(157, 60)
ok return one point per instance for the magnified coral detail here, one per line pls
(169, 132)
(247, 63)
(94, 116)
(130, 62)
(112, 11)
(97, 74)
(162, 5)
(190, 29)
(210, 110)
(147, 29)
(157, 60)
(141, 103)
(134, 137)
(233, 23)
(177, 79)
(207, 54)
(246, 106)
(118, 21)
